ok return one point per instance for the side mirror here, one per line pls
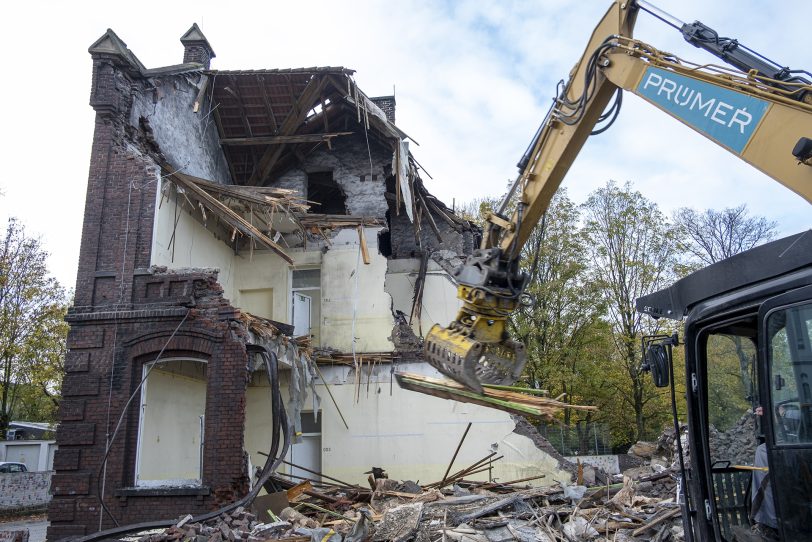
(657, 358)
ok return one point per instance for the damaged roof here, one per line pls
(269, 120)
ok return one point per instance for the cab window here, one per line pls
(789, 352)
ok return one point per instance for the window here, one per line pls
(789, 333)
(325, 194)
(171, 428)
(729, 356)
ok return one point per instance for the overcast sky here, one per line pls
(473, 80)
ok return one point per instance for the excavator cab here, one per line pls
(748, 361)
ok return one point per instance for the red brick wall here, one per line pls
(123, 316)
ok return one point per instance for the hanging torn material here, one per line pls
(400, 165)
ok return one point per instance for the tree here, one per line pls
(562, 321)
(633, 250)
(32, 330)
(710, 236)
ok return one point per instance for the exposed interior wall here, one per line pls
(258, 415)
(260, 283)
(193, 245)
(440, 303)
(353, 299)
(413, 435)
(349, 161)
(187, 139)
(173, 402)
(265, 270)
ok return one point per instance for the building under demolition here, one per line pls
(228, 211)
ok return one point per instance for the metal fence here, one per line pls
(583, 439)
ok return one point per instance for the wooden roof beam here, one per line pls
(289, 126)
(275, 140)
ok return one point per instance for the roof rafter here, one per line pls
(296, 116)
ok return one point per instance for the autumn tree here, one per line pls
(633, 252)
(32, 329)
(562, 319)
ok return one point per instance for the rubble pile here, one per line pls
(737, 444)
(640, 507)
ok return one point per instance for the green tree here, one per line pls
(32, 329)
(633, 252)
(563, 320)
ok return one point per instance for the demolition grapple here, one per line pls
(475, 348)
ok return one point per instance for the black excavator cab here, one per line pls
(748, 385)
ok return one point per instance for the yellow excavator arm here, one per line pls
(762, 115)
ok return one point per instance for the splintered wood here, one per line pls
(231, 204)
(522, 401)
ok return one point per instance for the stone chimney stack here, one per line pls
(196, 47)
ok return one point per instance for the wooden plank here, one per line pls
(299, 489)
(267, 101)
(275, 140)
(655, 522)
(230, 217)
(430, 218)
(364, 249)
(204, 84)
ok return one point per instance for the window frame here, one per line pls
(176, 482)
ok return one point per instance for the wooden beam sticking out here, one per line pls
(234, 220)
(364, 249)
(204, 84)
(275, 140)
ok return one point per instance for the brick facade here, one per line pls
(387, 105)
(124, 315)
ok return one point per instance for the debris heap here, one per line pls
(640, 507)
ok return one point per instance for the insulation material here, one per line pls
(400, 164)
(302, 376)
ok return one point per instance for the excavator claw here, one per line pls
(472, 362)
(475, 348)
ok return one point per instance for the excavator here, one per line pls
(761, 112)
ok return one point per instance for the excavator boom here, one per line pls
(763, 116)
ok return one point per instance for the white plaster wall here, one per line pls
(440, 303)
(170, 427)
(413, 436)
(258, 415)
(267, 270)
(348, 285)
(194, 245)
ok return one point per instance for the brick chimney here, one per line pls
(196, 47)
(387, 105)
